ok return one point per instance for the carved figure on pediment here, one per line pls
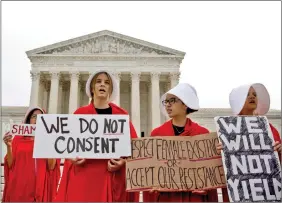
(113, 46)
(153, 52)
(131, 49)
(80, 49)
(121, 47)
(87, 48)
(105, 45)
(126, 49)
(96, 47)
(138, 51)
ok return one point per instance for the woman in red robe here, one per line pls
(177, 103)
(248, 100)
(96, 180)
(28, 179)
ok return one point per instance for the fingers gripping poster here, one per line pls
(252, 168)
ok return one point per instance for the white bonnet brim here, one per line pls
(238, 96)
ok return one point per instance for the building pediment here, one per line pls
(105, 43)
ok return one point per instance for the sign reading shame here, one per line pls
(84, 136)
(175, 163)
(22, 129)
(252, 168)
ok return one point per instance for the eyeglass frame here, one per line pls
(170, 101)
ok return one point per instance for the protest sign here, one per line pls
(84, 136)
(22, 129)
(252, 168)
(175, 163)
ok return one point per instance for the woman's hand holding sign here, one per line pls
(8, 139)
(77, 161)
(277, 147)
(115, 164)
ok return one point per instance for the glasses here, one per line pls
(169, 101)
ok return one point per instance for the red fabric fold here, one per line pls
(191, 129)
(28, 179)
(91, 181)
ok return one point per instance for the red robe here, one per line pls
(276, 138)
(28, 179)
(91, 181)
(191, 129)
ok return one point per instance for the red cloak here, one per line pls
(28, 179)
(191, 129)
(91, 181)
(276, 138)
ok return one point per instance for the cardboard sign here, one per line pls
(22, 129)
(252, 168)
(84, 136)
(175, 163)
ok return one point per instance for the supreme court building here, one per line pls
(143, 70)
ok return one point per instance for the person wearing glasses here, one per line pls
(177, 103)
(97, 180)
(251, 100)
(28, 179)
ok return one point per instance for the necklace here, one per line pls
(181, 131)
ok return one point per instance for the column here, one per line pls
(60, 97)
(156, 116)
(135, 100)
(45, 95)
(54, 91)
(174, 79)
(73, 100)
(34, 95)
(117, 76)
(149, 108)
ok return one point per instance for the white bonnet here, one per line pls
(238, 96)
(186, 93)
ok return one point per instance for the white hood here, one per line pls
(186, 93)
(114, 82)
(238, 96)
(30, 109)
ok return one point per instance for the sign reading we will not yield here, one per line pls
(84, 136)
(252, 168)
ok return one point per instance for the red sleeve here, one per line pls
(276, 138)
(61, 194)
(212, 195)
(53, 177)
(133, 133)
(225, 196)
(275, 133)
(8, 169)
(47, 181)
(155, 132)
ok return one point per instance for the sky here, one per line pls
(227, 44)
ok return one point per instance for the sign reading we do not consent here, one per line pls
(84, 136)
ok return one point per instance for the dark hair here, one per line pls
(189, 110)
(29, 116)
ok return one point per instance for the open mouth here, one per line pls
(252, 102)
(168, 110)
(102, 90)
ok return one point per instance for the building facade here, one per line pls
(144, 72)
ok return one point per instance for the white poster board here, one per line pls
(252, 169)
(83, 136)
(23, 129)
